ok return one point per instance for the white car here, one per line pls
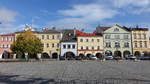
(109, 58)
(92, 57)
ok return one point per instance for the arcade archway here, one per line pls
(117, 54)
(126, 53)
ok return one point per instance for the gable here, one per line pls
(116, 29)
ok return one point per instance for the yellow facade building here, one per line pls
(140, 41)
(50, 40)
(89, 44)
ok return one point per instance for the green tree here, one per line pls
(27, 42)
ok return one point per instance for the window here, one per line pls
(82, 47)
(43, 45)
(135, 45)
(98, 47)
(87, 47)
(47, 45)
(108, 44)
(81, 40)
(144, 35)
(3, 46)
(73, 46)
(139, 36)
(53, 45)
(58, 36)
(92, 47)
(126, 37)
(7, 46)
(42, 36)
(87, 40)
(141, 44)
(98, 40)
(64, 46)
(134, 36)
(117, 36)
(53, 37)
(57, 45)
(145, 44)
(116, 30)
(117, 44)
(126, 44)
(47, 36)
(107, 36)
(92, 40)
(7, 39)
(69, 46)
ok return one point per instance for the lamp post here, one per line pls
(26, 55)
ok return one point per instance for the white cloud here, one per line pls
(7, 15)
(7, 18)
(124, 3)
(81, 16)
(87, 13)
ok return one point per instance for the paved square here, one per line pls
(75, 72)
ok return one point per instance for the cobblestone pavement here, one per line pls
(75, 72)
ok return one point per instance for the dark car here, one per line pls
(61, 58)
(78, 58)
(144, 57)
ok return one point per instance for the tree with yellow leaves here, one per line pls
(27, 42)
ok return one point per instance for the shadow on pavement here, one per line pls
(17, 79)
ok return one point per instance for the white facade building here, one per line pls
(68, 47)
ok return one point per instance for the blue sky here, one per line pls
(80, 14)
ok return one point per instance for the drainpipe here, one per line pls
(131, 43)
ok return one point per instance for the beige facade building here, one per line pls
(89, 44)
(140, 40)
(117, 41)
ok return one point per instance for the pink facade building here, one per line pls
(5, 43)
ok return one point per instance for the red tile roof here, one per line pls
(9, 34)
(80, 33)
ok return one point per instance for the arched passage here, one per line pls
(99, 55)
(88, 55)
(6, 55)
(69, 55)
(137, 53)
(117, 54)
(126, 53)
(20, 55)
(82, 56)
(108, 53)
(45, 55)
(55, 55)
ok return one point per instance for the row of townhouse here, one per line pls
(115, 41)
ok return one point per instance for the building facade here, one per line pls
(51, 42)
(68, 44)
(5, 43)
(117, 41)
(89, 44)
(140, 41)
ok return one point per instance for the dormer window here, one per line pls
(116, 30)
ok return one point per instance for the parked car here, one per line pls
(109, 57)
(144, 57)
(61, 58)
(131, 57)
(78, 58)
(92, 57)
